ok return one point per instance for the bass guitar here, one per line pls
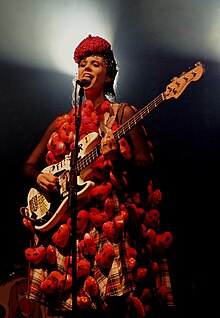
(47, 209)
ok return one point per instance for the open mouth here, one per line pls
(87, 76)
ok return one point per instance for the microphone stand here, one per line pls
(72, 199)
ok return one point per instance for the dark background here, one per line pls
(151, 48)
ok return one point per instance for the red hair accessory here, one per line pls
(91, 45)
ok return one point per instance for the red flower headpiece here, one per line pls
(91, 45)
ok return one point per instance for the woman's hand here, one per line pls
(47, 182)
(109, 147)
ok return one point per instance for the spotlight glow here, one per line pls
(44, 34)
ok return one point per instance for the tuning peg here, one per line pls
(174, 79)
(199, 64)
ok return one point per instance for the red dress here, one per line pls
(120, 249)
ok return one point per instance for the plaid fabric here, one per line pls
(119, 280)
(163, 278)
(38, 275)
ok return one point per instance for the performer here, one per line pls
(122, 269)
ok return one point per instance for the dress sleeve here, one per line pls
(37, 159)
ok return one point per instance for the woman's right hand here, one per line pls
(47, 182)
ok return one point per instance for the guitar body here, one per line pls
(47, 209)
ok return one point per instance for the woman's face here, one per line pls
(94, 68)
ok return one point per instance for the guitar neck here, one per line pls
(121, 131)
(134, 120)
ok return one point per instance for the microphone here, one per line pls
(85, 82)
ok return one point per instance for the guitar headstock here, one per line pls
(178, 84)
